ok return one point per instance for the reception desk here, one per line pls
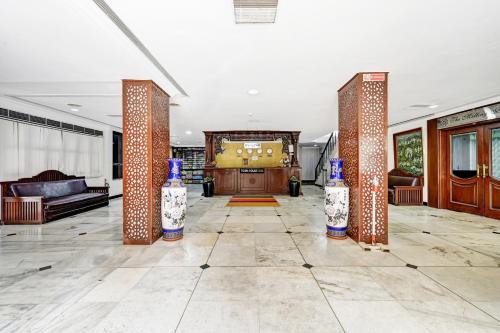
(252, 180)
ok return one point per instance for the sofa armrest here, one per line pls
(98, 189)
(22, 210)
(408, 195)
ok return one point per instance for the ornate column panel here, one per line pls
(146, 149)
(363, 147)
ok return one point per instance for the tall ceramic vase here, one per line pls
(336, 202)
(173, 202)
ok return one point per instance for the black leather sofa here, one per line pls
(43, 201)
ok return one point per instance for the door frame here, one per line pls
(477, 180)
(437, 160)
(489, 181)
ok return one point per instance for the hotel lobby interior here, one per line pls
(249, 166)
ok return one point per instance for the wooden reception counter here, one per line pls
(252, 180)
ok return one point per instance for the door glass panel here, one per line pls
(495, 153)
(464, 155)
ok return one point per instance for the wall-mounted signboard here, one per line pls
(489, 112)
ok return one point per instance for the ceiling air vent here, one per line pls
(255, 11)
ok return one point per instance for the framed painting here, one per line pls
(409, 151)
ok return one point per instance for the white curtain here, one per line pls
(309, 157)
(8, 151)
(26, 150)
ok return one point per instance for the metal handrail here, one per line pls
(329, 148)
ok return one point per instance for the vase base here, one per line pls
(173, 234)
(335, 237)
(173, 239)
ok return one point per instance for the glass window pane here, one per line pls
(495, 153)
(464, 155)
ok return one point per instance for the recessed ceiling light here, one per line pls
(315, 145)
(73, 109)
(253, 92)
(188, 132)
(424, 106)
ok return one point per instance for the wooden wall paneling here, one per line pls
(252, 182)
(226, 181)
(432, 166)
(146, 150)
(363, 146)
(277, 180)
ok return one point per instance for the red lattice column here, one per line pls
(363, 146)
(146, 149)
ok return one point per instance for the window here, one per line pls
(117, 155)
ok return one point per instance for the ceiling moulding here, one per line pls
(136, 41)
(255, 11)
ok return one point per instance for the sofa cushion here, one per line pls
(75, 199)
(48, 190)
(402, 181)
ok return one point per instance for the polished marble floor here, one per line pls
(74, 275)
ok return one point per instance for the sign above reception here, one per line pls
(252, 145)
(489, 112)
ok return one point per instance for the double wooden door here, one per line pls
(473, 170)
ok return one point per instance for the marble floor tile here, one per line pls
(349, 284)
(451, 316)
(255, 249)
(492, 308)
(319, 250)
(253, 219)
(255, 281)
(116, 285)
(472, 283)
(302, 223)
(379, 316)
(192, 250)
(404, 283)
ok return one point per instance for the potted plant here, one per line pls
(294, 186)
(208, 186)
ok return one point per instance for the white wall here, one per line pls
(115, 185)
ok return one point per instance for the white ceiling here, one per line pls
(446, 52)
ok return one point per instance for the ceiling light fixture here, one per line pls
(74, 109)
(424, 106)
(188, 132)
(253, 92)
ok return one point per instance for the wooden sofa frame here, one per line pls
(29, 210)
(408, 195)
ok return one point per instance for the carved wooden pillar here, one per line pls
(146, 149)
(363, 146)
(295, 142)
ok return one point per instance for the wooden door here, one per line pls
(464, 181)
(490, 170)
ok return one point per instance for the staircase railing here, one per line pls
(325, 154)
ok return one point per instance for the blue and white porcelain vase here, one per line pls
(173, 202)
(336, 202)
